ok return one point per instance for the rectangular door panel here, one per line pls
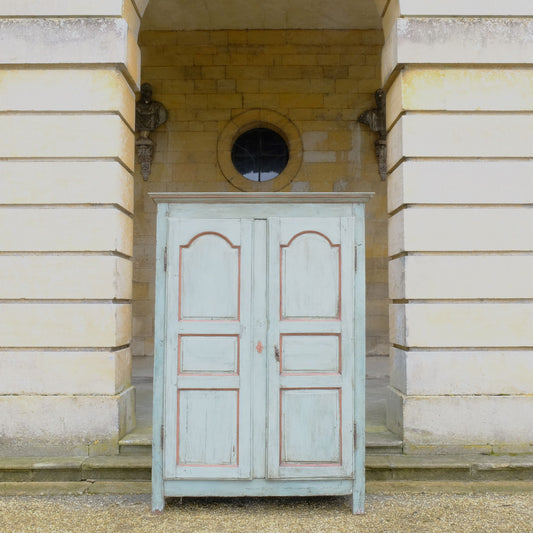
(208, 354)
(310, 354)
(208, 433)
(311, 429)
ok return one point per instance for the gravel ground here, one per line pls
(403, 512)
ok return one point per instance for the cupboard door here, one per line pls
(207, 384)
(311, 347)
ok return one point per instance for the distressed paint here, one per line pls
(233, 409)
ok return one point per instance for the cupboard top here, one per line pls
(261, 197)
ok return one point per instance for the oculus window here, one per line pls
(260, 150)
(260, 154)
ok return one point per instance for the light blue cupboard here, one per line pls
(259, 345)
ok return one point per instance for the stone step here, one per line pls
(378, 441)
(138, 442)
(115, 467)
(400, 467)
(379, 467)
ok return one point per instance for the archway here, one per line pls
(317, 65)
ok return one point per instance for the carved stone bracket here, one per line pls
(145, 153)
(376, 120)
(149, 115)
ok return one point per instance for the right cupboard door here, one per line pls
(310, 347)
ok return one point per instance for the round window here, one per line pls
(260, 154)
(260, 150)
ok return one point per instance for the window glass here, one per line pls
(260, 154)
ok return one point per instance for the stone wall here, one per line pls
(320, 80)
(460, 240)
(67, 82)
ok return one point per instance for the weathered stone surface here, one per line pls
(64, 325)
(34, 229)
(65, 277)
(468, 420)
(70, 90)
(459, 135)
(235, 15)
(460, 372)
(444, 88)
(461, 182)
(464, 8)
(455, 41)
(461, 229)
(61, 136)
(477, 325)
(449, 424)
(66, 182)
(485, 276)
(65, 372)
(89, 41)
(119, 468)
(62, 425)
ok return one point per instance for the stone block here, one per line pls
(63, 8)
(67, 90)
(394, 411)
(464, 8)
(56, 41)
(456, 41)
(459, 135)
(505, 467)
(459, 89)
(34, 229)
(460, 372)
(429, 468)
(433, 229)
(467, 421)
(461, 277)
(66, 182)
(80, 372)
(319, 157)
(63, 425)
(119, 468)
(75, 325)
(67, 136)
(461, 182)
(450, 325)
(68, 277)
(311, 101)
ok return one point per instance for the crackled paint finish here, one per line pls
(254, 382)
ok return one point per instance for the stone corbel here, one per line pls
(375, 119)
(149, 115)
(145, 153)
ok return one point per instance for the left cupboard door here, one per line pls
(207, 367)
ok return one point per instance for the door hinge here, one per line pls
(355, 435)
(162, 434)
(165, 259)
(355, 258)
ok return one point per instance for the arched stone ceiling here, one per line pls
(260, 14)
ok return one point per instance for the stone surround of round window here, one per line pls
(260, 150)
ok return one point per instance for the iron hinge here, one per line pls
(162, 434)
(355, 259)
(355, 435)
(165, 259)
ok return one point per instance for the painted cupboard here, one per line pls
(259, 364)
